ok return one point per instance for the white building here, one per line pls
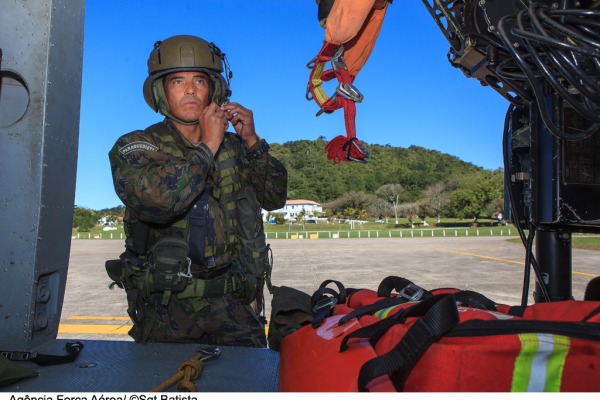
(293, 207)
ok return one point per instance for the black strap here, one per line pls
(403, 287)
(438, 315)
(372, 308)
(516, 311)
(591, 314)
(372, 332)
(322, 304)
(72, 349)
(469, 298)
(407, 291)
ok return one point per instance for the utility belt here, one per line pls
(167, 269)
(235, 281)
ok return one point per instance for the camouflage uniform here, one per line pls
(183, 269)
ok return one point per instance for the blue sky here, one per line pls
(412, 94)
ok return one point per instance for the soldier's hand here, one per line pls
(213, 123)
(242, 120)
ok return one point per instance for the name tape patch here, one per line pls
(137, 146)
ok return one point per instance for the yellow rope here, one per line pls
(187, 371)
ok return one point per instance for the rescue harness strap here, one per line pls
(346, 95)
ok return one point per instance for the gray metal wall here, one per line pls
(42, 45)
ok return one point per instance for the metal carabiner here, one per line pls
(349, 92)
(309, 95)
(338, 53)
(337, 59)
(209, 353)
(187, 274)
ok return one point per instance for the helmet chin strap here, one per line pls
(182, 122)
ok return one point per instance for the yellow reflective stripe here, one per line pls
(522, 370)
(383, 313)
(556, 363)
(539, 365)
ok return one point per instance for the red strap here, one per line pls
(340, 148)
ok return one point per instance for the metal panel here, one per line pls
(42, 46)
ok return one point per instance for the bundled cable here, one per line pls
(559, 48)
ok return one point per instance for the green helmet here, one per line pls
(185, 53)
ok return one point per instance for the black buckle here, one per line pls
(321, 310)
(18, 355)
(412, 292)
(325, 302)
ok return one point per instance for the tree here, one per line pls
(84, 219)
(410, 212)
(301, 215)
(329, 214)
(351, 200)
(380, 209)
(391, 192)
(474, 194)
(350, 213)
(436, 198)
(361, 215)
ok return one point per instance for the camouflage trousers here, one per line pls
(221, 321)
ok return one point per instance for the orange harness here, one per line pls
(352, 26)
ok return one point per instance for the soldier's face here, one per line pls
(187, 94)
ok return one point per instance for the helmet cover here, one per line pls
(185, 53)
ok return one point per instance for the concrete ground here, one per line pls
(492, 266)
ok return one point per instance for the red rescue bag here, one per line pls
(444, 340)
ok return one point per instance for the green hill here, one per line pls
(312, 176)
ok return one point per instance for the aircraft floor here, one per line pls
(125, 366)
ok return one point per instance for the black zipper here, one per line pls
(475, 327)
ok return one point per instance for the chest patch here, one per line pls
(137, 146)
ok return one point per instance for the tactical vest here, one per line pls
(187, 258)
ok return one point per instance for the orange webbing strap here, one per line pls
(356, 25)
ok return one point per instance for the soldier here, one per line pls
(196, 256)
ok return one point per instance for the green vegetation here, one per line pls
(87, 221)
(586, 242)
(371, 230)
(324, 230)
(412, 183)
(312, 176)
(579, 241)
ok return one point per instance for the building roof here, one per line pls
(300, 202)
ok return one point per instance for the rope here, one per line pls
(187, 371)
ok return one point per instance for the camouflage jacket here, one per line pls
(171, 187)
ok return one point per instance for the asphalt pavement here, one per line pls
(492, 266)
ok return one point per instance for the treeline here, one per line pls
(85, 219)
(408, 182)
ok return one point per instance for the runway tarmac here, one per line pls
(492, 266)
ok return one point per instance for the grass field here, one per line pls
(323, 230)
